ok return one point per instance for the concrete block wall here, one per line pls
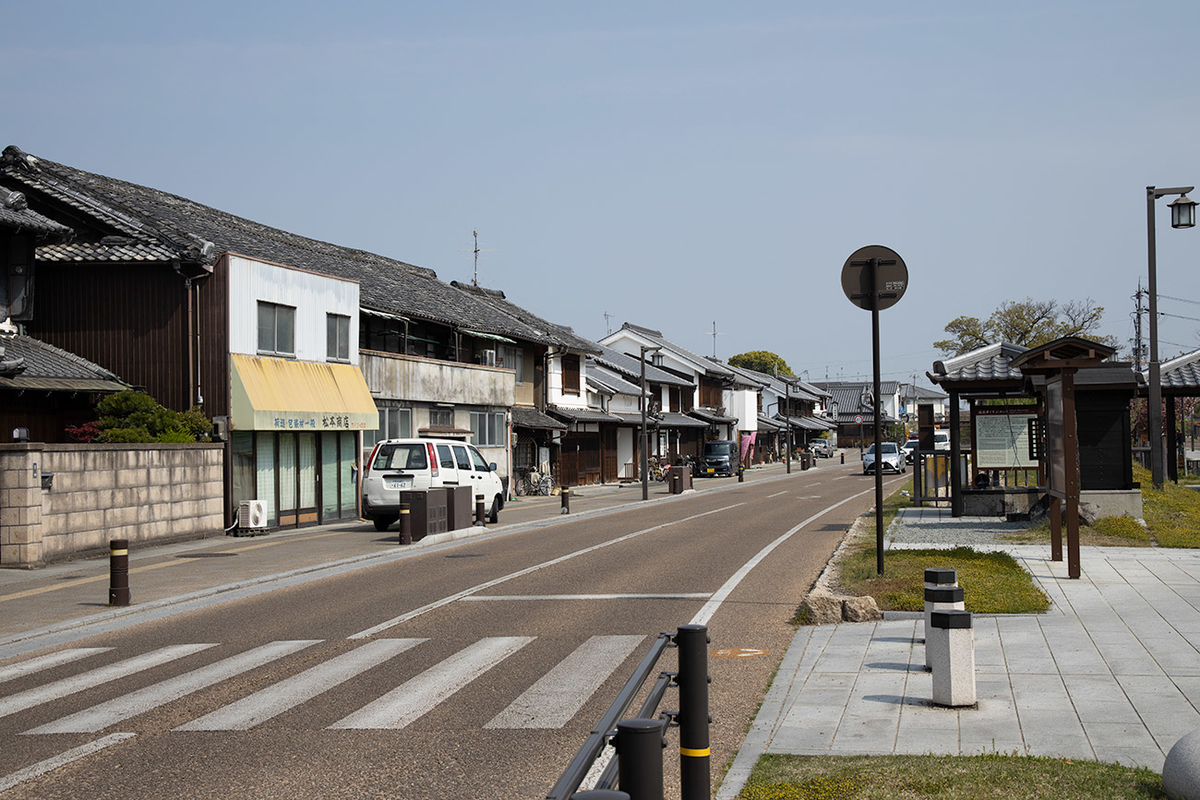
(60, 500)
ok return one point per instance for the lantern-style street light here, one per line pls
(1183, 215)
(645, 439)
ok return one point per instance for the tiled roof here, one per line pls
(16, 217)
(612, 380)
(630, 367)
(47, 368)
(145, 224)
(656, 337)
(989, 363)
(711, 418)
(1182, 372)
(582, 414)
(524, 417)
(550, 332)
(796, 389)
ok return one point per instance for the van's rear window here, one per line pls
(401, 456)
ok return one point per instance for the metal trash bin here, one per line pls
(427, 510)
(460, 507)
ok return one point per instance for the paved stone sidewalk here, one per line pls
(1111, 673)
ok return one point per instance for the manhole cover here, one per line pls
(206, 555)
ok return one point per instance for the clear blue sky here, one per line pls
(671, 164)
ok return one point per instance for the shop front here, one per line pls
(295, 430)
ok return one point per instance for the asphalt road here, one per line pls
(473, 670)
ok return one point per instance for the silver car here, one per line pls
(891, 459)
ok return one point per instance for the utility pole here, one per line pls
(715, 335)
(476, 251)
(1137, 328)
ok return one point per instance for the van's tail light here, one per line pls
(374, 450)
(433, 462)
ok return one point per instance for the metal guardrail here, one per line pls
(637, 766)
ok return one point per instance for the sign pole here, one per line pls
(874, 270)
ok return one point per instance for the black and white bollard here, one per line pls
(938, 579)
(951, 647)
(565, 495)
(480, 514)
(405, 523)
(944, 598)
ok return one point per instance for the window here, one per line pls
(464, 460)
(276, 329)
(441, 418)
(445, 457)
(337, 337)
(394, 423)
(480, 464)
(570, 370)
(487, 428)
(513, 358)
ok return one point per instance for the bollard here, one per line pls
(480, 514)
(639, 758)
(741, 470)
(843, 455)
(676, 481)
(694, 754)
(952, 642)
(118, 572)
(405, 523)
(939, 598)
(565, 494)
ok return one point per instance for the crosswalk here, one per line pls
(550, 701)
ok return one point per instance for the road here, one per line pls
(472, 669)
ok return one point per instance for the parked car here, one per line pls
(719, 458)
(821, 447)
(941, 441)
(891, 459)
(909, 449)
(399, 464)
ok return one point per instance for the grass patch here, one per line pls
(993, 583)
(1171, 513)
(1107, 532)
(779, 777)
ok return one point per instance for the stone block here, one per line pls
(860, 609)
(820, 608)
(1181, 770)
(951, 647)
(940, 598)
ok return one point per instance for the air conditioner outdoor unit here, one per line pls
(488, 358)
(252, 515)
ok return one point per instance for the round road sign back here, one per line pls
(891, 277)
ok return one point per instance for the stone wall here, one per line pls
(62, 500)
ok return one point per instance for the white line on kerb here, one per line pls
(391, 623)
(62, 759)
(589, 597)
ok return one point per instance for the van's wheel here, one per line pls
(382, 523)
(494, 515)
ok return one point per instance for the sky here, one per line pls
(686, 166)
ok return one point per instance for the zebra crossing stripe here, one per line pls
(77, 683)
(557, 697)
(99, 717)
(274, 700)
(48, 661)
(409, 701)
(62, 759)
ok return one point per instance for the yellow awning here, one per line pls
(273, 394)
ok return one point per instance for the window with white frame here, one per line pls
(513, 358)
(487, 428)
(394, 423)
(276, 329)
(337, 337)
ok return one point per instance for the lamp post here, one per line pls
(833, 410)
(787, 419)
(645, 442)
(1183, 215)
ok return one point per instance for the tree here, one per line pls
(1028, 323)
(761, 361)
(131, 416)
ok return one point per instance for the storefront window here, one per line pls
(242, 467)
(265, 476)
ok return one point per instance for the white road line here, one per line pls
(49, 661)
(62, 759)
(77, 683)
(706, 613)
(99, 717)
(557, 697)
(287, 694)
(391, 623)
(656, 596)
(412, 699)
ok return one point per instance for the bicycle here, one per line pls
(533, 483)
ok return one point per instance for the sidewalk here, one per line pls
(1111, 673)
(165, 579)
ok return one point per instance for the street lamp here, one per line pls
(645, 441)
(1183, 215)
(833, 409)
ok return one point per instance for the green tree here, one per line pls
(761, 361)
(131, 416)
(1028, 323)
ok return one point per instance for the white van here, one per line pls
(399, 464)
